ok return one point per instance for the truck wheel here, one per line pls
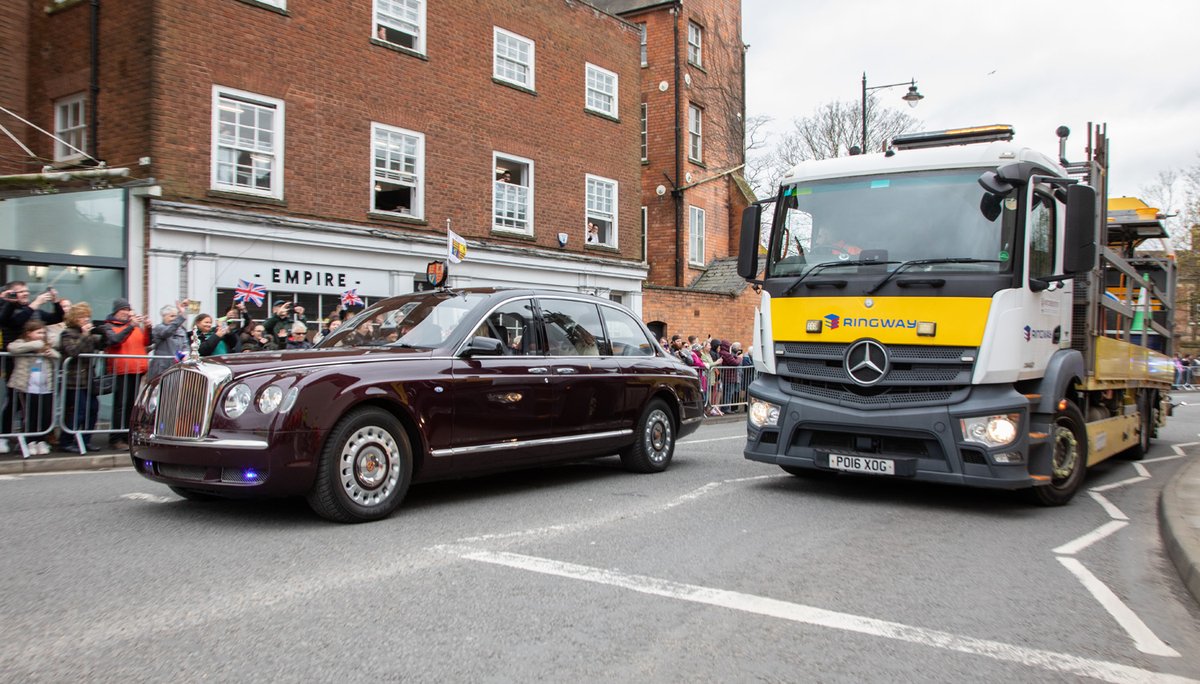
(654, 441)
(1145, 404)
(365, 468)
(1069, 463)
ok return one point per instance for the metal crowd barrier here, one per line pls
(85, 399)
(728, 386)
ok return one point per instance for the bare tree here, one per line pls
(1176, 193)
(829, 131)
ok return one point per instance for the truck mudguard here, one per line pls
(1063, 368)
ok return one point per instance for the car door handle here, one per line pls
(564, 371)
(539, 371)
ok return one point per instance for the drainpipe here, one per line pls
(677, 194)
(94, 86)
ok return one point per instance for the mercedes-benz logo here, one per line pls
(866, 362)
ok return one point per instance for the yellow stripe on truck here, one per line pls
(892, 320)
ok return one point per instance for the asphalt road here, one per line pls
(717, 570)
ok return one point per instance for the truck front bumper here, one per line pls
(921, 443)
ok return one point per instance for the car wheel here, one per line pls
(1069, 462)
(192, 494)
(654, 441)
(808, 473)
(365, 468)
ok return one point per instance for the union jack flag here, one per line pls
(247, 291)
(350, 298)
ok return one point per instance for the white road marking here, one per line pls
(142, 496)
(1122, 483)
(1160, 459)
(1141, 469)
(10, 477)
(1143, 638)
(1113, 512)
(714, 439)
(1076, 545)
(819, 617)
(119, 469)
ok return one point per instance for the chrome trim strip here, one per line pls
(548, 441)
(163, 440)
(689, 421)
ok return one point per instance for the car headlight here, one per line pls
(289, 400)
(269, 398)
(991, 431)
(237, 400)
(763, 413)
(152, 402)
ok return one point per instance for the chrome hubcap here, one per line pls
(658, 436)
(369, 466)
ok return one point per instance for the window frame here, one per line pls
(419, 42)
(61, 151)
(589, 69)
(220, 93)
(695, 129)
(696, 238)
(497, 32)
(497, 157)
(588, 214)
(1042, 262)
(645, 131)
(417, 211)
(696, 46)
(644, 44)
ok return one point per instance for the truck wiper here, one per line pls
(830, 264)
(925, 262)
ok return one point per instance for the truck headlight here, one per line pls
(269, 398)
(763, 413)
(991, 431)
(237, 400)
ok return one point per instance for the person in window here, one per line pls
(505, 176)
(584, 341)
(593, 234)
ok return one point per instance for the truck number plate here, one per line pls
(860, 464)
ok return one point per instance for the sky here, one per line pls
(1032, 64)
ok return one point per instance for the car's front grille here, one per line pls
(182, 472)
(185, 399)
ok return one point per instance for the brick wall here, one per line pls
(14, 82)
(687, 312)
(335, 82)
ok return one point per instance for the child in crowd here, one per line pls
(32, 381)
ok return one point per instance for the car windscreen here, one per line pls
(425, 320)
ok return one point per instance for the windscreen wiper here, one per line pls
(829, 264)
(925, 262)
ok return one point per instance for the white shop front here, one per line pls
(203, 254)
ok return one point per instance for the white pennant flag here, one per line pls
(456, 247)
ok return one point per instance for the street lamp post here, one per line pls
(912, 97)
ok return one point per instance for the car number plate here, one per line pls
(861, 464)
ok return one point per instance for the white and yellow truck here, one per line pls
(957, 309)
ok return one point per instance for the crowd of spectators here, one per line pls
(1187, 370)
(723, 367)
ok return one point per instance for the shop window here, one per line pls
(512, 194)
(401, 23)
(397, 173)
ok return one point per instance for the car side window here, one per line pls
(625, 334)
(573, 328)
(512, 324)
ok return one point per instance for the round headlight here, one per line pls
(152, 404)
(289, 400)
(237, 400)
(1001, 430)
(269, 398)
(763, 414)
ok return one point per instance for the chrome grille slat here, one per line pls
(918, 375)
(184, 404)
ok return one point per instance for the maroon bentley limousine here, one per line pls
(415, 388)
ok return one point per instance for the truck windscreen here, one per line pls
(894, 218)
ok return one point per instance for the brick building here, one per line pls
(316, 147)
(693, 109)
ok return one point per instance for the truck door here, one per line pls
(1047, 324)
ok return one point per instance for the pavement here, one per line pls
(1179, 506)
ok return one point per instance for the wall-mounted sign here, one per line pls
(295, 276)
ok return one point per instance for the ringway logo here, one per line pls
(833, 320)
(1036, 334)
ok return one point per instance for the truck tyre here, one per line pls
(1145, 403)
(1069, 463)
(365, 468)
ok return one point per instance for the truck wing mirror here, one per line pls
(747, 264)
(995, 185)
(1079, 243)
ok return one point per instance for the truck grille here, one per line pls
(185, 403)
(918, 375)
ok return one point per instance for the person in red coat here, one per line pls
(125, 333)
